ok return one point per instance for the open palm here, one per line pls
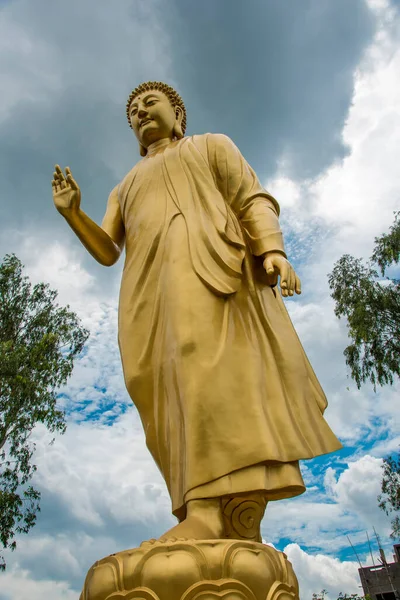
(66, 192)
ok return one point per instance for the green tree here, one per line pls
(371, 302)
(38, 344)
(323, 596)
(389, 500)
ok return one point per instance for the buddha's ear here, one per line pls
(177, 130)
(142, 150)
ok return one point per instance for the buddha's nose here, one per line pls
(142, 112)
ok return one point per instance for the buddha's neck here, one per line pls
(155, 146)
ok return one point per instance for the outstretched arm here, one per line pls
(104, 243)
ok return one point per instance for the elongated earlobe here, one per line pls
(177, 131)
(142, 150)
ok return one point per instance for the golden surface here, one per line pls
(193, 570)
(227, 397)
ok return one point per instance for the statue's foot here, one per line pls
(203, 522)
(237, 517)
(191, 528)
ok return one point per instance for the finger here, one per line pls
(70, 179)
(57, 178)
(60, 173)
(272, 275)
(268, 266)
(54, 185)
(297, 285)
(284, 271)
(291, 279)
(61, 183)
(72, 182)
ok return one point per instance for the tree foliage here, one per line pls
(322, 595)
(371, 303)
(38, 344)
(389, 499)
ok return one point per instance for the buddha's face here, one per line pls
(153, 117)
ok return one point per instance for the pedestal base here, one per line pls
(193, 570)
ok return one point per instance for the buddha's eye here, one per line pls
(150, 102)
(133, 112)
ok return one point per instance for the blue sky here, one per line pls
(310, 93)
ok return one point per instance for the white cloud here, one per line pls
(101, 493)
(355, 198)
(361, 193)
(286, 190)
(339, 212)
(357, 488)
(102, 472)
(385, 447)
(379, 6)
(323, 520)
(319, 572)
(17, 583)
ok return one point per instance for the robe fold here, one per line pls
(227, 397)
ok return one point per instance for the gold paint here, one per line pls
(193, 570)
(227, 397)
(242, 516)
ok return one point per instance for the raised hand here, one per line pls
(276, 264)
(66, 192)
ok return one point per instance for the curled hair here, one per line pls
(166, 89)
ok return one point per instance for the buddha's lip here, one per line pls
(144, 122)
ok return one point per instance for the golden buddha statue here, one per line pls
(227, 397)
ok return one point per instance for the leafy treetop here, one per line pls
(371, 305)
(39, 342)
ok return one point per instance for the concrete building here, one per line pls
(382, 582)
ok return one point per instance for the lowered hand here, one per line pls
(276, 265)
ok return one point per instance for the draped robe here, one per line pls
(227, 397)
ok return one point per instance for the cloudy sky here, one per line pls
(310, 92)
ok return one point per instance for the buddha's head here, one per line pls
(155, 111)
